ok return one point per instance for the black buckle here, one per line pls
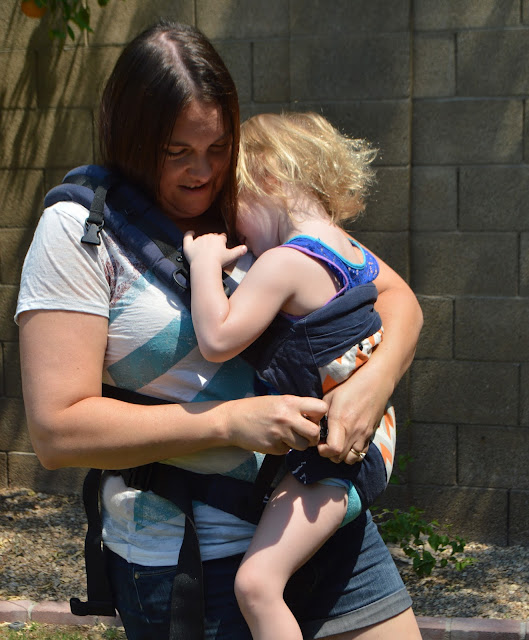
(138, 477)
(92, 231)
(181, 273)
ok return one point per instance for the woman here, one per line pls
(169, 123)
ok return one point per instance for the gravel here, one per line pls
(41, 558)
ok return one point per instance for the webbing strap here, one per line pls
(96, 218)
(97, 584)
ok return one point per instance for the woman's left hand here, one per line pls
(357, 405)
(355, 409)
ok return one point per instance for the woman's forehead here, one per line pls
(199, 120)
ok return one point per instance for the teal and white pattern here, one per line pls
(152, 349)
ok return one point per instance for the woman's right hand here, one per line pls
(274, 424)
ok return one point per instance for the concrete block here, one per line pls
(121, 20)
(11, 366)
(13, 433)
(396, 496)
(3, 470)
(467, 132)
(492, 329)
(387, 206)
(524, 395)
(249, 109)
(347, 18)
(480, 515)
(26, 471)
(455, 263)
(434, 199)
(2, 376)
(237, 57)
(526, 134)
(8, 301)
(485, 629)
(493, 457)
(437, 15)
(18, 78)
(242, 18)
(21, 196)
(493, 63)
(391, 247)
(434, 65)
(53, 177)
(464, 392)
(402, 412)
(58, 613)
(74, 77)
(433, 450)
(34, 139)
(436, 339)
(15, 610)
(519, 517)
(524, 264)
(17, 31)
(375, 66)
(14, 244)
(432, 628)
(493, 198)
(271, 80)
(386, 124)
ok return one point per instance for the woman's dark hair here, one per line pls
(158, 74)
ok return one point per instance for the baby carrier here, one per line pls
(141, 226)
(138, 223)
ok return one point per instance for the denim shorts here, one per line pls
(350, 583)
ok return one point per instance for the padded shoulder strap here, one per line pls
(131, 216)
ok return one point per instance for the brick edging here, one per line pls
(431, 628)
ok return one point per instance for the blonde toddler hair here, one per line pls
(306, 151)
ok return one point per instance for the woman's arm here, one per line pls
(357, 405)
(70, 424)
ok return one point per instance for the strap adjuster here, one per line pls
(181, 273)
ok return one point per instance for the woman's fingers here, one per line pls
(275, 424)
(356, 454)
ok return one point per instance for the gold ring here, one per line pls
(360, 454)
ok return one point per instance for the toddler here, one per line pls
(304, 315)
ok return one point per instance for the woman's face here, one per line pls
(196, 163)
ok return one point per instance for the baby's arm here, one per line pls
(225, 327)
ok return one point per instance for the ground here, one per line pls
(41, 558)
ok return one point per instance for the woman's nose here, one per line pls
(200, 168)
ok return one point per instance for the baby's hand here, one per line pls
(211, 246)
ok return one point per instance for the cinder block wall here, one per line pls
(441, 87)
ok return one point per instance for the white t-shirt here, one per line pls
(152, 349)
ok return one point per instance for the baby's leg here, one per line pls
(296, 522)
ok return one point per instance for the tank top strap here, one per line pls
(349, 274)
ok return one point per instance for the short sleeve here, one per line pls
(61, 273)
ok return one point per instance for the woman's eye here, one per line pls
(175, 154)
(219, 147)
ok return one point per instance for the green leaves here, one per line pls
(66, 14)
(423, 542)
